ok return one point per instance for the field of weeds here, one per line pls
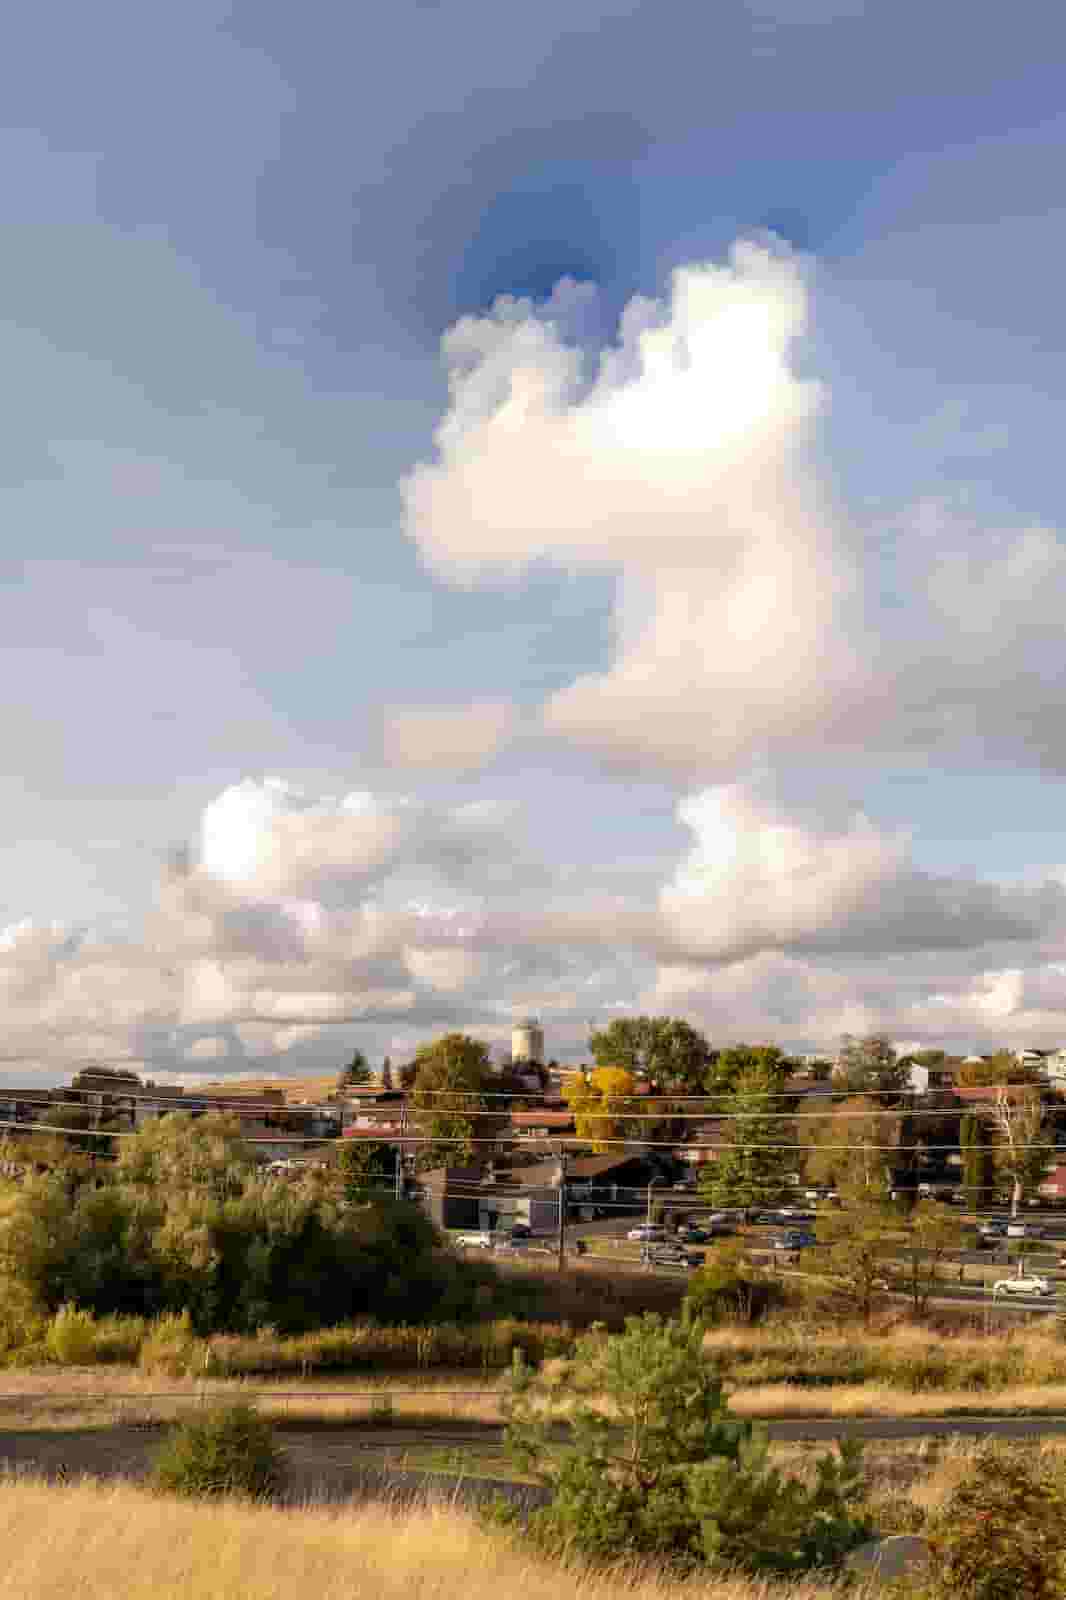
(103, 1542)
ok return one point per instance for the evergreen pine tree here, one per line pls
(356, 1074)
(760, 1150)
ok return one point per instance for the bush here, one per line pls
(727, 1288)
(172, 1350)
(71, 1338)
(1000, 1534)
(229, 1450)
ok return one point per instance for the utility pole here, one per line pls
(651, 1184)
(560, 1181)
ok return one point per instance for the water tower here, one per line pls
(527, 1041)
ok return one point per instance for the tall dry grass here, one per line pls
(98, 1543)
(94, 1397)
(915, 1360)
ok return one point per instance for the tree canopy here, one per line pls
(666, 1051)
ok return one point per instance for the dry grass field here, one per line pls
(95, 1543)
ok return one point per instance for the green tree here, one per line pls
(728, 1285)
(356, 1075)
(655, 1466)
(366, 1167)
(978, 1162)
(179, 1152)
(449, 1079)
(858, 1238)
(740, 1060)
(666, 1051)
(759, 1149)
(930, 1236)
(386, 1075)
(869, 1066)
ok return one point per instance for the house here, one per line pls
(703, 1139)
(922, 1079)
(541, 1124)
(451, 1195)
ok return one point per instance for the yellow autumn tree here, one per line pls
(600, 1101)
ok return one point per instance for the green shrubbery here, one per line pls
(664, 1471)
(229, 1450)
(184, 1222)
(170, 1347)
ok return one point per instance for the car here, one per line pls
(1027, 1285)
(996, 1229)
(693, 1235)
(521, 1230)
(1023, 1230)
(507, 1244)
(791, 1239)
(473, 1241)
(647, 1233)
(658, 1255)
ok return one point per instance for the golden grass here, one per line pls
(783, 1400)
(103, 1397)
(96, 1543)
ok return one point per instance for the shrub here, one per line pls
(71, 1337)
(999, 1535)
(119, 1339)
(172, 1350)
(229, 1450)
(727, 1288)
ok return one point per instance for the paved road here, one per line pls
(918, 1427)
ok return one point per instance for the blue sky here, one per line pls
(233, 239)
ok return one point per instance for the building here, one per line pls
(451, 1195)
(926, 1080)
(527, 1041)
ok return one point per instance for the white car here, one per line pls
(647, 1233)
(473, 1241)
(1027, 1285)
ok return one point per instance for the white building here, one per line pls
(527, 1041)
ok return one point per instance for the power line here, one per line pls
(405, 1139)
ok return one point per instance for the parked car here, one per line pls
(694, 1235)
(506, 1244)
(996, 1229)
(647, 1233)
(792, 1239)
(473, 1241)
(1030, 1284)
(1023, 1230)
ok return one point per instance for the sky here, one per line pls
(549, 510)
